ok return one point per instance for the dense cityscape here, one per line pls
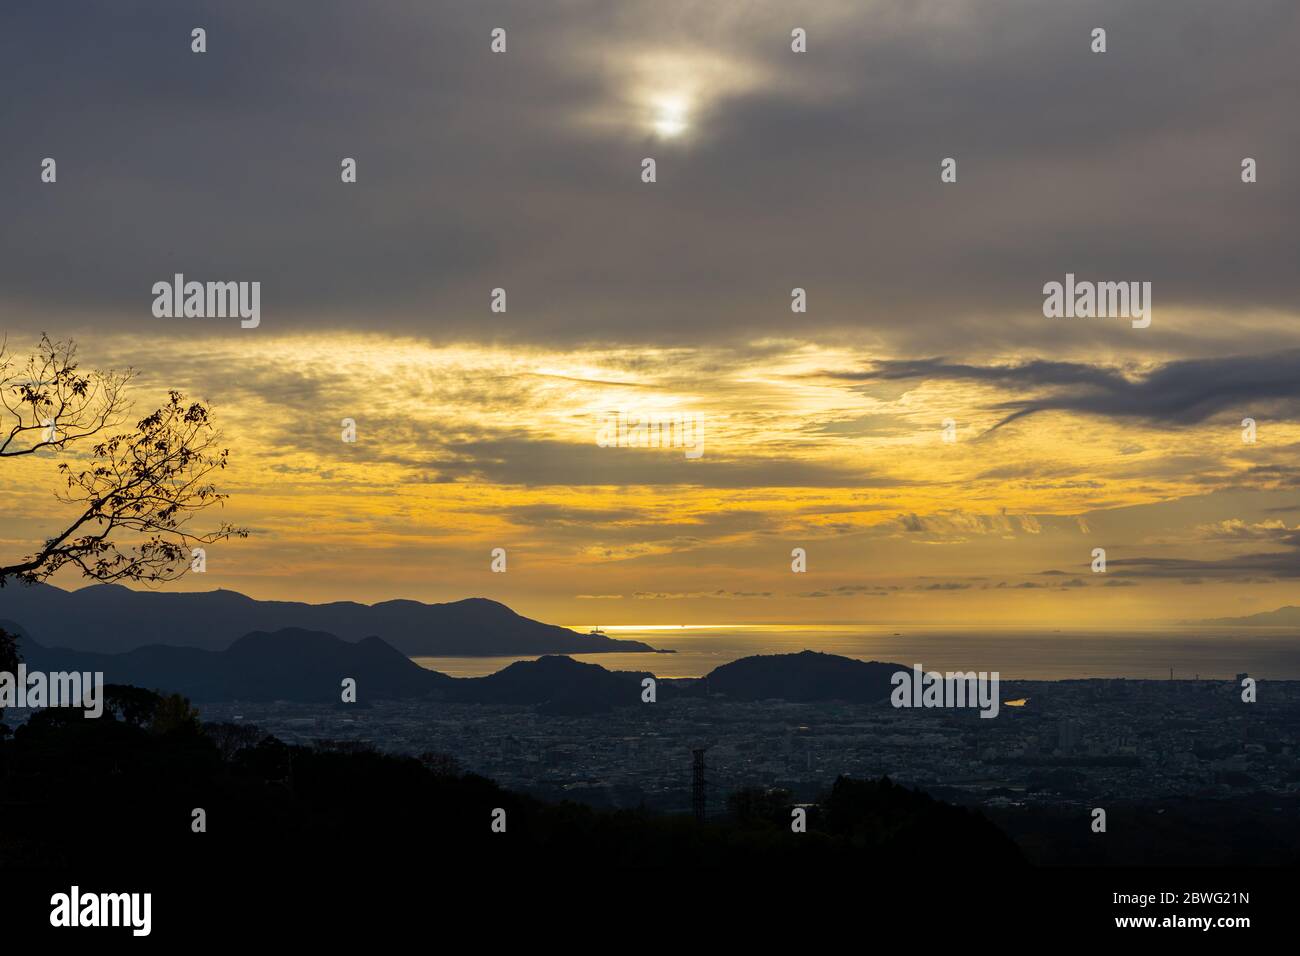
(1068, 741)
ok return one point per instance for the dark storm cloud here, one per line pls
(1029, 373)
(1263, 566)
(1184, 392)
(477, 171)
(1256, 567)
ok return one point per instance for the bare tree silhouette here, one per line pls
(136, 491)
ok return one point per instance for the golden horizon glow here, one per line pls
(464, 448)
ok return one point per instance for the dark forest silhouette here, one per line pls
(149, 762)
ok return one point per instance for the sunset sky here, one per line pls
(775, 170)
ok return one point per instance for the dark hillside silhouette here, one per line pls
(296, 809)
(299, 665)
(291, 664)
(806, 676)
(559, 685)
(112, 618)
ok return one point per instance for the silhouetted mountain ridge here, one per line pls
(1288, 616)
(110, 618)
(294, 664)
(558, 685)
(291, 664)
(802, 677)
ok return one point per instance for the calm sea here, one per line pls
(1028, 653)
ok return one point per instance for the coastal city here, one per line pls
(1052, 743)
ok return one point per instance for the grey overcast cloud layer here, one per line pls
(522, 170)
